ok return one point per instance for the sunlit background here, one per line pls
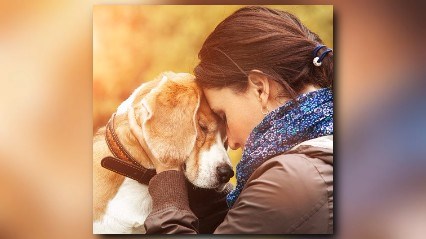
(47, 105)
(132, 44)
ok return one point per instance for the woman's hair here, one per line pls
(272, 41)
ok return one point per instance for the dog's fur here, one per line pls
(179, 128)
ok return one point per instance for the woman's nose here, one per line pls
(232, 144)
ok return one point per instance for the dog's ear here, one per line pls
(169, 122)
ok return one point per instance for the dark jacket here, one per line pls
(290, 193)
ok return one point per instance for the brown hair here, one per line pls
(272, 41)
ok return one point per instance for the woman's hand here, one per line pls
(136, 129)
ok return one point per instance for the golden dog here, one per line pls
(178, 127)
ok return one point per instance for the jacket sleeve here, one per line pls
(179, 207)
(170, 213)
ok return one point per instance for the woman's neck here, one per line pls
(309, 88)
(282, 100)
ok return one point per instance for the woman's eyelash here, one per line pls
(223, 117)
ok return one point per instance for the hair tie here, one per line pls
(318, 60)
(315, 52)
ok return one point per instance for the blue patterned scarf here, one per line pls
(309, 116)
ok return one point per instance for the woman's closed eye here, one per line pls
(223, 117)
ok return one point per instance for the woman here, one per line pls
(269, 78)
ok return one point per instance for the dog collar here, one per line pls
(123, 163)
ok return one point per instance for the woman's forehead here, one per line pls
(216, 98)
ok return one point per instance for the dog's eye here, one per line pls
(204, 128)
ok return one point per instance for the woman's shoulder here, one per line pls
(303, 170)
(292, 192)
(298, 162)
(303, 175)
(310, 159)
(294, 188)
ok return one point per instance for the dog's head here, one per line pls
(180, 129)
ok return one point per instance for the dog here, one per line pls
(178, 127)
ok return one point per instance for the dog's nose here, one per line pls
(224, 173)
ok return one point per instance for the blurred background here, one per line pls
(50, 80)
(133, 44)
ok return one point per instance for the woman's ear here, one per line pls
(259, 85)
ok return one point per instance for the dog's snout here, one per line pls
(224, 173)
